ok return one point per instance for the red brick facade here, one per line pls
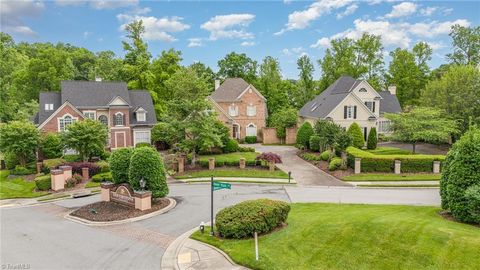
(52, 124)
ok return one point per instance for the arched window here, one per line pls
(65, 121)
(103, 119)
(251, 130)
(118, 119)
(362, 90)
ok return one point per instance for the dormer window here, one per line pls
(48, 107)
(118, 119)
(233, 110)
(141, 116)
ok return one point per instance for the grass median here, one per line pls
(17, 188)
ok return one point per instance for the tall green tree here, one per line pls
(305, 81)
(466, 45)
(87, 137)
(355, 132)
(457, 93)
(235, 65)
(283, 119)
(204, 72)
(269, 83)
(422, 124)
(20, 139)
(107, 66)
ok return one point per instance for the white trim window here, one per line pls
(350, 112)
(384, 126)
(118, 119)
(251, 110)
(369, 105)
(48, 107)
(141, 136)
(233, 110)
(103, 119)
(251, 130)
(90, 114)
(141, 116)
(65, 121)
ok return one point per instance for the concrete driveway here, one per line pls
(302, 171)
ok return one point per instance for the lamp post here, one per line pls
(289, 176)
(142, 184)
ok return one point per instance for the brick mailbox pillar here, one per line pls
(271, 166)
(39, 167)
(57, 180)
(242, 163)
(211, 164)
(105, 191)
(143, 200)
(67, 171)
(358, 165)
(398, 164)
(436, 167)
(181, 164)
(85, 175)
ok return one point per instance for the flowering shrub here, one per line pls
(269, 157)
(77, 167)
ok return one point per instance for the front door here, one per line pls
(120, 139)
(236, 131)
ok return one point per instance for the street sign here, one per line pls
(221, 185)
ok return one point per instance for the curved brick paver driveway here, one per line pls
(303, 172)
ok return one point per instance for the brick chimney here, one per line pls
(392, 89)
(217, 84)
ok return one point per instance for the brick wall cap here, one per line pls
(142, 193)
(65, 168)
(106, 184)
(56, 172)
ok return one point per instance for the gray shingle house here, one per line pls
(349, 100)
(128, 114)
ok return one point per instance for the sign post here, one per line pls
(214, 185)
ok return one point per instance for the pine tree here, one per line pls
(372, 139)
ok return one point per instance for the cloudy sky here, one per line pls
(206, 31)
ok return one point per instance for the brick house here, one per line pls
(240, 107)
(129, 115)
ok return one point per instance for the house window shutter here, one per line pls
(344, 112)
(354, 112)
(374, 106)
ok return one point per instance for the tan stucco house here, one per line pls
(349, 100)
(128, 115)
(240, 107)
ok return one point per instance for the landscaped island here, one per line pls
(333, 236)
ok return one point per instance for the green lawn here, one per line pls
(389, 151)
(230, 157)
(17, 188)
(342, 236)
(92, 184)
(260, 173)
(392, 177)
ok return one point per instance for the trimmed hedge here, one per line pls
(231, 146)
(356, 134)
(246, 149)
(119, 165)
(386, 163)
(243, 219)
(142, 144)
(472, 197)
(311, 157)
(146, 163)
(53, 163)
(43, 182)
(334, 164)
(72, 158)
(103, 177)
(315, 143)
(251, 139)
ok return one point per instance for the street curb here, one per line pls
(169, 258)
(172, 205)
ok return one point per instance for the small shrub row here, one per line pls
(72, 158)
(43, 182)
(243, 219)
(251, 139)
(20, 170)
(103, 177)
(53, 163)
(335, 164)
(311, 157)
(246, 149)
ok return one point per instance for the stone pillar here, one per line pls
(398, 164)
(181, 164)
(105, 191)
(85, 175)
(242, 163)
(271, 166)
(57, 180)
(143, 200)
(211, 164)
(358, 165)
(67, 171)
(436, 167)
(39, 167)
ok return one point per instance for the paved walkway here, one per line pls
(302, 171)
(242, 179)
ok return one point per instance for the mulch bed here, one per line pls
(112, 211)
(323, 165)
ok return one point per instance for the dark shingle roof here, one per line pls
(89, 94)
(140, 98)
(324, 103)
(389, 103)
(230, 89)
(47, 98)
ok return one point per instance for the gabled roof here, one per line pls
(230, 90)
(87, 94)
(142, 98)
(389, 103)
(47, 98)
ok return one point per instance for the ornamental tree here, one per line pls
(303, 135)
(120, 164)
(87, 137)
(285, 118)
(422, 124)
(342, 141)
(372, 139)
(147, 164)
(19, 138)
(51, 145)
(269, 157)
(355, 133)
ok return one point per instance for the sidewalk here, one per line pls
(185, 253)
(54, 197)
(241, 180)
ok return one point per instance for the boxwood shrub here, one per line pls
(243, 219)
(142, 144)
(334, 164)
(119, 164)
(104, 166)
(146, 163)
(103, 177)
(43, 182)
(251, 139)
(230, 146)
(315, 143)
(325, 155)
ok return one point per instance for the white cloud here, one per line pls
(436, 45)
(194, 42)
(428, 11)
(86, 34)
(229, 26)
(99, 4)
(156, 28)
(293, 51)
(301, 19)
(247, 44)
(402, 10)
(348, 11)
(12, 14)
(393, 34)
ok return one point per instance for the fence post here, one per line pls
(436, 167)
(358, 165)
(398, 164)
(211, 164)
(85, 175)
(181, 165)
(242, 163)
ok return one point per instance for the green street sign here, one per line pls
(221, 185)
